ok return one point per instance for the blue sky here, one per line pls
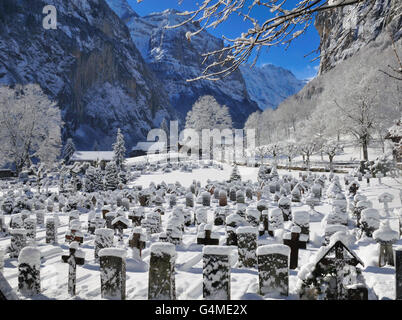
(292, 58)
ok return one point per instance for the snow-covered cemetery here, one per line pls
(110, 191)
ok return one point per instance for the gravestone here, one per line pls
(103, 239)
(29, 271)
(75, 257)
(220, 216)
(216, 272)
(137, 241)
(51, 230)
(40, 217)
(119, 224)
(189, 200)
(109, 217)
(240, 198)
(284, 204)
(232, 194)
(233, 221)
(113, 273)
(161, 275)
(152, 223)
(30, 226)
(385, 236)
(206, 199)
(253, 216)
(275, 221)
(201, 216)
(74, 233)
(207, 237)
(369, 221)
(295, 241)
(136, 216)
(18, 242)
(247, 246)
(386, 198)
(273, 269)
(302, 220)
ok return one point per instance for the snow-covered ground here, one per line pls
(244, 282)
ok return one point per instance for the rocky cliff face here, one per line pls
(175, 60)
(344, 31)
(89, 65)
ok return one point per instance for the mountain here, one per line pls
(174, 60)
(89, 65)
(269, 85)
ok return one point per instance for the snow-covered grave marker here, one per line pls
(284, 204)
(109, 217)
(360, 206)
(216, 272)
(398, 273)
(137, 241)
(17, 242)
(240, 197)
(232, 194)
(74, 233)
(136, 216)
(386, 198)
(113, 273)
(385, 236)
(380, 175)
(207, 237)
(206, 199)
(189, 200)
(273, 269)
(295, 240)
(233, 221)
(275, 220)
(262, 205)
(16, 222)
(302, 220)
(201, 216)
(30, 226)
(253, 216)
(152, 222)
(264, 225)
(119, 224)
(247, 246)
(40, 217)
(103, 239)
(29, 271)
(369, 221)
(75, 257)
(51, 230)
(368, 176)
(161, 276)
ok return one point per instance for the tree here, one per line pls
(254, 122)
(119, 150)
(283, 22)
(111, 176)
(308, 147)
(235, 175)
(331, 149)
(274, 150)
(29, 126)
(68, 150)
(290, 150)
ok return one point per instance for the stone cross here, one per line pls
(29, 271)
(103, 239)
(398, 273)
(295, 243)
(113, 273)
(216, 272)
(207, 237)
(273, 269)
(51, 230)
(161, 275)
(75, 257)
(386, 198)
(247, 246)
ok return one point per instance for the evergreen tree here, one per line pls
(235, 175)
(68, 150)
(119, 150)
(111, 176)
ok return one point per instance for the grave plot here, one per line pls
(202, 231)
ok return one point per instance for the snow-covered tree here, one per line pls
(235, 175)
(331, 149)
(29, 126)
(308, 147)
(68, 150)
(274, 150)
(290, 149)
(111, 176)
(119, 150)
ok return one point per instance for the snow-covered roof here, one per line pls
(149, 146)
(92, 156)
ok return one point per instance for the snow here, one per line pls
(113, 252)
(385, 233)
(92, 156)
(162, 247)
(246, 229)
(217, 250)
(104, 232)
(30, 256)
(18, 231)
(273, 249)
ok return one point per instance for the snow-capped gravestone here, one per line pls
(302, 220)
(152, 222)
(201, 216)
(18, 242)
(253, 217)
(29, 271)
(295, 241)
(113, 273)
(119, 224)
(369, 221)
(275, 221)
(76, 257)
(219, 216)
(189, 200)
(360, 206)
(273, 269)
(232, 194)
(240, 197)
(206, 199)
(109, 217)
(233, 221)
(74, 232)
(398, 273)
(40, 217)
(247, 246)
(16, 222)
(136, 216)
(386, 198)
(30, 226)
(385, 236)
(284, 204)
(333, 275)
(161, 275)
(103, 239)
(331, 229)
(262, 205)
(207, 237)
(51, 230)
(137, 242)
(216, 272)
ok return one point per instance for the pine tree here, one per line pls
(111, 176)
(235, 175)
(68, 150)
(119, 150)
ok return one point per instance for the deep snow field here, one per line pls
(244, 282)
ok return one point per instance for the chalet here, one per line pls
(395, 135)
(6, 173)
(93, 157)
